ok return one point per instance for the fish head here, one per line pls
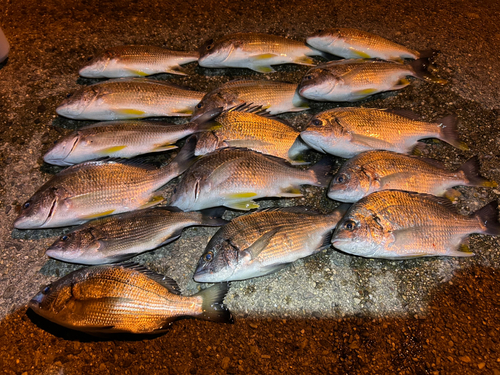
(218, 262)
(72, 246)
(350, 184)
(318, 84)
(96, 66)
(324, 38)
(62, 149)
(212, 102)
(74, 105)
(361, 232)
(187, 193)
(55, 301)
(213, 54)
(323, 132)
(40, 209)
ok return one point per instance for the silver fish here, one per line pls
(263, 242)
(235, 177)
(136, 61)
(394, 224)
(120, 237)
(383, 170)
(99, 188)
(346, 132)
(119, 139)
(276, 97)
(354, 44)
(129, 98)
(125, 299)
(254, 51)
(353, 80)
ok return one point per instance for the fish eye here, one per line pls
(209, 47)
(317, 122)
(341, 178)
(308, 77)
(26, 205)
(350, 225)
(64, 238)
(68, 95)
(89, 58)
(199, 105)
(175, 190)
(209, 256)
(46, 289)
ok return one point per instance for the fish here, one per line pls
(264, 242)
(129, 98)
(348, 131)
(100, 188)
(117, 238)
(354, 44)
(234, 178)
(241, 127)
(373, 171)
(126, 298)
(255, 51)
(353, 80)
(274, 96)
(136, 61)
(393, 224)
(120, 139)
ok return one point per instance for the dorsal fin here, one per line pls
(169, 283)
(257, 110)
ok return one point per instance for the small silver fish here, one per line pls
(99, 188)
(383, 170)
(119, 139)
(136, 61)
(394, 224)
(235, 177)
(254, 51)
(353, 80)
(263, 242)
(354, 44)
(120, 237)
(273, 96)
(125, 299)
(129, 98)
(346, 132)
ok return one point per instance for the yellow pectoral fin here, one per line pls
(366, 92)
(304, 60)
(243, 206)
(111, 150)
(138, 72)
(361, 54)
(263, 56)
(153, 201)
(130, 112)
(97, 215)
(185, 111)
(241, 195)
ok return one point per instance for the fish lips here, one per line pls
(203, 275)
(35, 302)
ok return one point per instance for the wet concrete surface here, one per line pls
(334, 293)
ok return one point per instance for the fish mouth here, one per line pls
(35, 302)
(202, 275)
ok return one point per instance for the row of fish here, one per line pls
(255, 51)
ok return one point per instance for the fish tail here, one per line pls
(321, 171)
(488, 219)
(448, 132)
(213, 306)
(212, 217)
(471, 170)
(421, 66)
(205, 121)
(185, 158)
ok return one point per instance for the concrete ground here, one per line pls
(51, 40)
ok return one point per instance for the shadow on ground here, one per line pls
(459, 335)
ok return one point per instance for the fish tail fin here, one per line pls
(205, 121)
(321, 171)
(421, 66)
(448, 132)
(185, 158)
(488, 219)
(212, 217)
(471, 170)
(213, 306)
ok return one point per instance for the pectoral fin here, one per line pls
(130, 112)
(242, 206)
(403, 82)
(370, 142)
(111, 150)
(152, 202)
(304, 60)
(256, 248)
(183, 112)
(97, 215)
(359, 53)
(360, 94)
(264, 56)
(137, 72)
(243, 143)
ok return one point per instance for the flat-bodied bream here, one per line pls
(129, 98)
(136, 61)
(265, 241)
(273, 96)
(394, 224)
(255, 51)
(373, 171)
(235, 177)
(348, 131)
(125, 299)
(99, 188)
